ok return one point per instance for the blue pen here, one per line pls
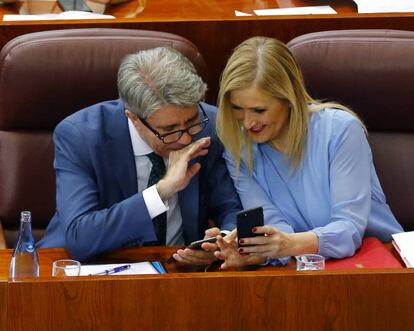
(112, 271)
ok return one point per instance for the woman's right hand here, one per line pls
(228, 252)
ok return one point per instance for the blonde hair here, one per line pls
(269, 65)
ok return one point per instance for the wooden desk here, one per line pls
(274, 298)
(210, 24)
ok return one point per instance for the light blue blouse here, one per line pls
(334, 191)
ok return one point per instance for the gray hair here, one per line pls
(150, 79)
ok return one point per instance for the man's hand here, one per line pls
(202, 256)
(179, 173)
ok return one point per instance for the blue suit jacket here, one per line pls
(97, 204)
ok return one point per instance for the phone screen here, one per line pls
(248, 219)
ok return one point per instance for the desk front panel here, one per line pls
(273, 297)
(268, 300)
(3, 304)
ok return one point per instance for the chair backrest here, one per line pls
(44, 77)
(371, 71)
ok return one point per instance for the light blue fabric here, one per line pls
(335, 190)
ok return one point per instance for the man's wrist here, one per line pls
(165, 190)
(155, 205)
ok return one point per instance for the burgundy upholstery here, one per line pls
(44, 77)
(371, 71)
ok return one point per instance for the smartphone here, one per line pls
(197, 244)
(247, 220)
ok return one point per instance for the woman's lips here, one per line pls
(257, 130)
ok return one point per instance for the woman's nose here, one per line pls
(248, 120)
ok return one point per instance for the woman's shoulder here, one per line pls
(332, 118)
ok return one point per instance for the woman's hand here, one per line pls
(230, 254)
(255, 250)
(277, 244)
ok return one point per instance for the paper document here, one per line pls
(296, 11)
(384, 6)
(240, 13)
(404, 244)
(140, 268)
(67, 15)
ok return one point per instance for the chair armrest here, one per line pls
(2, 238)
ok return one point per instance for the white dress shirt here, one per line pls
(152, 199)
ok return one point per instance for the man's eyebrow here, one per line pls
(171, 127)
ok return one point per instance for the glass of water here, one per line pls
(310, 262)
(64, 268)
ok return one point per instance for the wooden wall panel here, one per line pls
(223, 301)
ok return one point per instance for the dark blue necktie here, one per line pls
(157, 172)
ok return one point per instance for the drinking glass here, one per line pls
(310, 262)
(64, 268)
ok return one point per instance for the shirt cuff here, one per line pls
(153, 201)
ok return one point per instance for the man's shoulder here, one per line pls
(94, 115)
(211, 112)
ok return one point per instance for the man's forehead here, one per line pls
(173, 115)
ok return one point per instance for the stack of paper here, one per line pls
(67, 15)
(384, 6)
(315, 10)
(139, 268)
(404, 244)
(296, 11)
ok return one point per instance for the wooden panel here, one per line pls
(223, 301)
(5, 256)
(177, 10)
(2, 238)
(359, 299)
(3, 304)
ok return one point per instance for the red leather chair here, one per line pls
(372, 71)
(44, 77)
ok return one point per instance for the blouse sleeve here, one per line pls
(350, 190)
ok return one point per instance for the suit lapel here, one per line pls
(119, 152)
(189, 201)
(189, 206)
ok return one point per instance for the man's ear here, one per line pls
(133, 118)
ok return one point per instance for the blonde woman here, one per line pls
(307, 163)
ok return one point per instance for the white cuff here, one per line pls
(153, 201)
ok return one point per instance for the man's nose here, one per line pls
(185, 139)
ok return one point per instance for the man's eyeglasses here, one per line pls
(174, 136)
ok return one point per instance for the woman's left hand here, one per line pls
(277, 244)
(273, 243)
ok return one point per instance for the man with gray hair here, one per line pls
(145, 169)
